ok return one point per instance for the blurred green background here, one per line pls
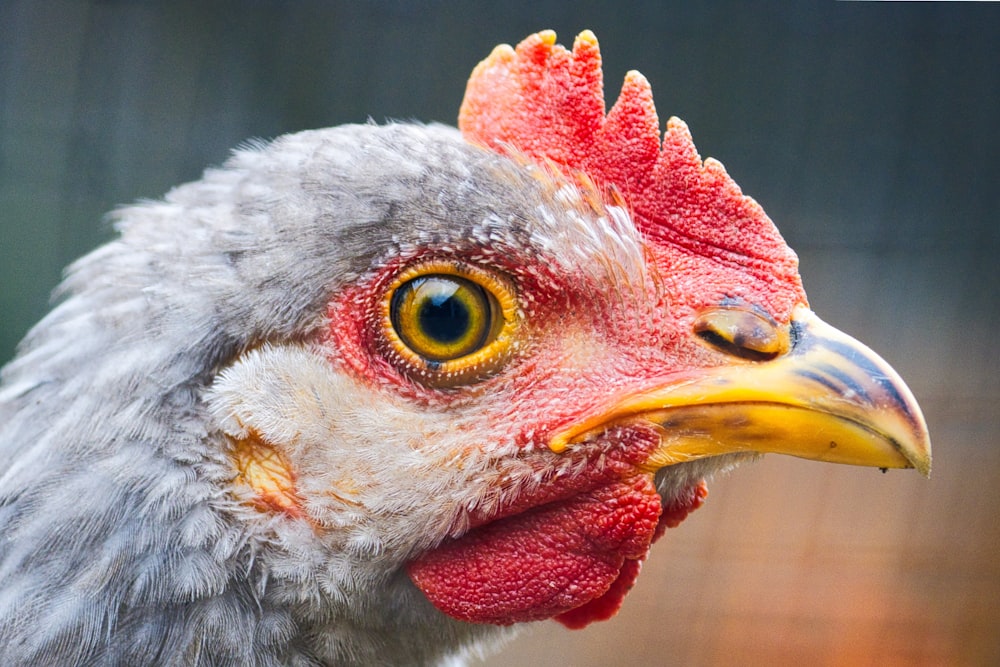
(870, 132)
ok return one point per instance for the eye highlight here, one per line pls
(448, 324)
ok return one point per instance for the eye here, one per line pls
(742, 331)
(442, 317)
(448, 324)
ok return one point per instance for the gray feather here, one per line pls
(120, 544)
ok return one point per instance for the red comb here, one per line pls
(548, 103)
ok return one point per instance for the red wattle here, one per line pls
(548, 560)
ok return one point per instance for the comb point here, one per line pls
(501, 53)
(585, 39)
(535, 49)
(586, 65)
(678, 145)
(635, 78)
(635, 101)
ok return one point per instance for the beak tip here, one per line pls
(917, 450)
(922, 462)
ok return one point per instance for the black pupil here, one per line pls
(444, 318)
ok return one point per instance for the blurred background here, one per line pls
(870, 132)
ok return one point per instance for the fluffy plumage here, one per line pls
(120, 540)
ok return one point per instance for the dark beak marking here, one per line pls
(866, 366)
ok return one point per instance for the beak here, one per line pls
(829, 398)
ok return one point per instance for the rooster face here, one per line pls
(515, 390)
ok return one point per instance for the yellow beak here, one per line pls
(829, 398)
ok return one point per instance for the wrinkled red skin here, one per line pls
(543, 562)
(574, 560)
(607, 605)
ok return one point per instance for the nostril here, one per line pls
(742, 332)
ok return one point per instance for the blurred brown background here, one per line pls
(871, 134)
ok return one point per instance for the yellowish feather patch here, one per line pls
(263, 469)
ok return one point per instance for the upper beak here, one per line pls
(829, 398)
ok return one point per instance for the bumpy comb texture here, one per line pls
(548, 103)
